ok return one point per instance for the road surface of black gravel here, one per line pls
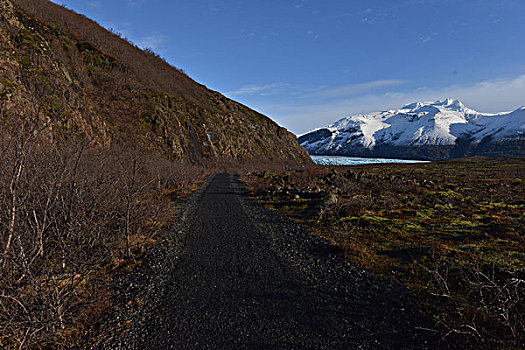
(238, 276)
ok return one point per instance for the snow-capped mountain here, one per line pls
(439, 130)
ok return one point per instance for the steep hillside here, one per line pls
(64, 69)
(439, 130)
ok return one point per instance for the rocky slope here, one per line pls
(439, 130)
(64, 69)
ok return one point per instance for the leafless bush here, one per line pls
(67, 212)
(485, 301)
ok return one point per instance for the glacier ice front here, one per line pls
(338, 160)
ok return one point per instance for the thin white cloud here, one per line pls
(422, 2)
(491, 96)
(299, 4)
(368, 20)
(132, 3)
(353, 89)
(263, 90)
(94, 3)
(152, 41)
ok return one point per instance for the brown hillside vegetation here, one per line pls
(98, 139)
(92, 82)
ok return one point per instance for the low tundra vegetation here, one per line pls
(451, 231)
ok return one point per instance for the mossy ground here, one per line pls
(439, 228)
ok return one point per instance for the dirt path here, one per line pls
(248, 278)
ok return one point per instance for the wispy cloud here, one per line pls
(152, 41)
(422, 2)
(132, 3)
(94, 3)
(299, 4)
(353, 89)
(262, 90)
(490, 96)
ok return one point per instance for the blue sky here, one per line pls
(307, 63)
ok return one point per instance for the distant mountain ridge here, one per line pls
(91, 82)
(429, 131)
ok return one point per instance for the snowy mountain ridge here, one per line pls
(444, 124)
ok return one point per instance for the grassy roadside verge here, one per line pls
(452, 232)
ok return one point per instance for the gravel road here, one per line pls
(235, 275)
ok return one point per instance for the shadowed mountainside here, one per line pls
(63, 68)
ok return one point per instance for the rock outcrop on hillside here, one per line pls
(62, 68)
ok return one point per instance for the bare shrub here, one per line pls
(67, 214)
(486, 300)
